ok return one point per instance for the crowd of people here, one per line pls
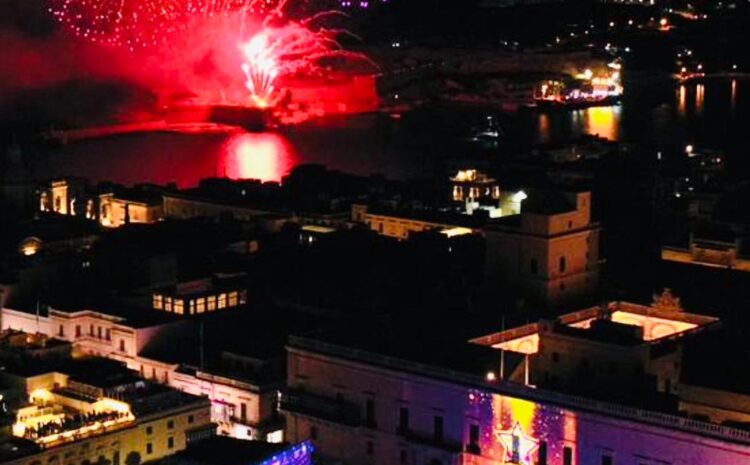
(69, 423)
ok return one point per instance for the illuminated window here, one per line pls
(158, 302)
(222, 300)
(211, 303)
(275, 437)
(168, 304)
(233, 299)
(200, 305)
(191, 305)
(515, 454)
(179, 306)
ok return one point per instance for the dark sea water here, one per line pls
(658, 114)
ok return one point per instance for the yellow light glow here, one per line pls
(41, 395)
(519, 196)
(603, 121)
(653, 327)
(524, 345)
(29, 249)
(466, 175)
(457, 231)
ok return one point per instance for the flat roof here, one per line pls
(657, 324)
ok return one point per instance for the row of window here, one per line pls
(472, 446)
(199, 305)
(438, 433)
(100, 333)
(562, 265)
(150, 445)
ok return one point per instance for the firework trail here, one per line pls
(292, 48)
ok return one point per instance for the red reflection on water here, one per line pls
(264, 156)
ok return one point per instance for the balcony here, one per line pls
(337, 411)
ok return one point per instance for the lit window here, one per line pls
(211, 303)
(275, 436)
(179, 306)
(168, 304)
(222, 300)
(158, 302)
(233, 299)
(200, 305)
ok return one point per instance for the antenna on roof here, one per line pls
(201, 344)
(37, 316)
(502, 351)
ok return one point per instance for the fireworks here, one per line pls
(118, 22)
(144, 23)
(294, 48)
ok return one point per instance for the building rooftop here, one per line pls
(424, 343)
(620, 323)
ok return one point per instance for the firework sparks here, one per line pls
(144, 23)
(261, 69)
(294, 48)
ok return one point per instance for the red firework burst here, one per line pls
(143, 23)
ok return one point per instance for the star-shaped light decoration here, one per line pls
(518, 446)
